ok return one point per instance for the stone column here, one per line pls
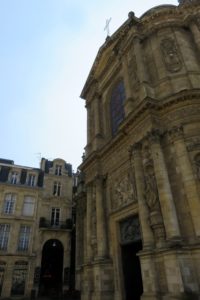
(97, 121)
(100, 220)
(188, 179)
(97, 124)
(164, 190)
(142, 72)
(196, 33)
(147, 234)
(88, 107)
(89, 137)
(88, 223)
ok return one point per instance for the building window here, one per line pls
(4, 236)
(28, 207)
(14, 178)
(24, 237)
(2, 271)
(58, 170)
(19, 277)
(31, 180)
(57, 188)
(9, 203)
(55, 216)
(117, 106)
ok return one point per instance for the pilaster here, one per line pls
(184, 164)
(196, 33)
(147, 234)
(164, 190)
(129, 103)
(100, 220)
(88, 224)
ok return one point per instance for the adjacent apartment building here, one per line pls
(35, 228)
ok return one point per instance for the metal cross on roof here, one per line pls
(107, 26)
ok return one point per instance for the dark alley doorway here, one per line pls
(51, 268)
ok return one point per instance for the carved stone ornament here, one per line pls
(130, 230)
(176, 133)
(124, 191)
(151, 191)
(154, 136)
(152, 200)
(132, 69)
(171, 55)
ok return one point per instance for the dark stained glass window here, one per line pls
(117, 106)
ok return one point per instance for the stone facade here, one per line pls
(35, 218)
(139, 189)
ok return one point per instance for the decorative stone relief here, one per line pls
(132, 69)
(171, 55)
(152, 198)
(151, 191)
(124, 191)
(130, 230)
(182, 113)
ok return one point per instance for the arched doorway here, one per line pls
(131, 244)
(51, 268)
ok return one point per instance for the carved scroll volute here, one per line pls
(171, 55)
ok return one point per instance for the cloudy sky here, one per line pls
(47, 48)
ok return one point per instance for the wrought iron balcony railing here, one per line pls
(44, 223)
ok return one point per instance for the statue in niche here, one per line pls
(171, 55)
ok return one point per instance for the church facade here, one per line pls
(138, 199)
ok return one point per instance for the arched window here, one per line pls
(117, 106)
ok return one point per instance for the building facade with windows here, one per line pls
(138, 198)
(35, 228)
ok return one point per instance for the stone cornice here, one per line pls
(148, 105)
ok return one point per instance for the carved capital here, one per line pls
(154, 136)
(135, 148)
(89, 187)
(176, 133)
